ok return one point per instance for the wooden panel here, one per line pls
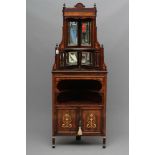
(91, 121)
(86, 14)
(66, 120)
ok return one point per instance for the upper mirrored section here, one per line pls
(73, 34)
(79, 33)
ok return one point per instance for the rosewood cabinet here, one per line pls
(79, 78)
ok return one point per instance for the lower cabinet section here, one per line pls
(69, 120)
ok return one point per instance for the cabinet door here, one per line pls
(66, 121)
(91, 121)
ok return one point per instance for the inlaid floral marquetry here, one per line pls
(91, 121)
(66, 121)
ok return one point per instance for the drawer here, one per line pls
(66, 121)
(91, 120)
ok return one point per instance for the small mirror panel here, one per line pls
(86, 58)
(73, 33)
(86, 34)
(72, 58)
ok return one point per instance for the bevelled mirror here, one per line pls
(71, 58)
(86, 58)
(73, 33)
(86, 33)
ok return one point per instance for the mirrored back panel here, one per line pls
(86, 33)
(79, 33)
(73, 33)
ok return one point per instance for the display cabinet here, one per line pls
(79, 78)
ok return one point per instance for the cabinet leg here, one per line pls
(104, 142)
(78, 137)
(53, 142)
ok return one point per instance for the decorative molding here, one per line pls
(79, 5)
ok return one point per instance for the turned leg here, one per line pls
(78, 137)
(104, 142)
(53, 142)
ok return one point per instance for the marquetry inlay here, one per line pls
(66, 121)
(91, 121)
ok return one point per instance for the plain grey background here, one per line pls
(44, 30)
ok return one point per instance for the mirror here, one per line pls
(72, 58)
(86, 34)
(86, 58)
(73, 33)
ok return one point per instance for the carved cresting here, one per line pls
(66, 121)
(91, 121)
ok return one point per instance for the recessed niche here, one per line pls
(79, 96)
(79, 91)
(73, 85)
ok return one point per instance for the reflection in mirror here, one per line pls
(73, 31)
(86, 58)
(85, 34)
(72, 58)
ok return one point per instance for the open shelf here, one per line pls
(79, 96)
(80, 85)
(79, 92)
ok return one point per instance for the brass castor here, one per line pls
(104, 142)
(104, 146)
(53, 142)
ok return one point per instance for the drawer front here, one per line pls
(66, 121)
(91, 121)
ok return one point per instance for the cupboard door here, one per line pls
(91, 121)
(66, 121)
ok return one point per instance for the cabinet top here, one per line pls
(79, 10)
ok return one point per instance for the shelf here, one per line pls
(76, 104)
(79, 96)
(79, 85)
